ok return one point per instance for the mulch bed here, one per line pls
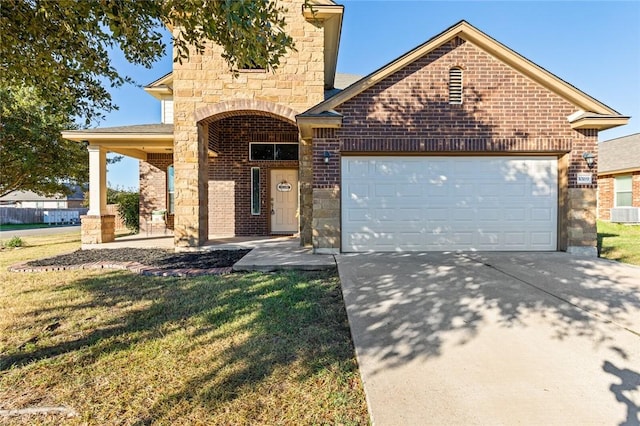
(155, 262)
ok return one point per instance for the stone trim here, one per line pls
(237, 106)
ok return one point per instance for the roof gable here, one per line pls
(464, 30)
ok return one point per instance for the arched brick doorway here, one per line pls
(246, 149)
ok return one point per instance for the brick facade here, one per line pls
(230, 172)
(503, 112)
(606, 193)
(153, 188)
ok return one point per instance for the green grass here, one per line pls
(21, 226)
(619, 242)
(119, 348)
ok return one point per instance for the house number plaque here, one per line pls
(284, 187)
(584, 179)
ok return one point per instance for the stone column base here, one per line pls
(98, 229)
(326, 221)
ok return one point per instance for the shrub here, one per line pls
(129, 208)
(14, 242)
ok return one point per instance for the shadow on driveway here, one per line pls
(491, 337)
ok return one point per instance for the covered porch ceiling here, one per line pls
(133, 141)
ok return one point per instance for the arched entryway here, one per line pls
(253, 170)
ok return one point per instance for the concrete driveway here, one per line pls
(495, 338)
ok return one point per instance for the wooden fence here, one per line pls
(17, 215)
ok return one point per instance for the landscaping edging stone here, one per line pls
(135, 267)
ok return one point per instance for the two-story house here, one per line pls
(460, 144)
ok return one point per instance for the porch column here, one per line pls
(191, 186)
(97, 226)
(97, 180)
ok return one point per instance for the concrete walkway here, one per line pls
(495, 338)
(267, 254)
(284, 255)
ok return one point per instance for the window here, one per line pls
(623, 186)
(171, 205)
(455, 86)
(273, 151)
(255, 191)
(250, 65)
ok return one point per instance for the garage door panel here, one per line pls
(419, 203)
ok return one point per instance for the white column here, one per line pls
(97, 180)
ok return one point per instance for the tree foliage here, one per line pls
(33, 155)
(61, 47)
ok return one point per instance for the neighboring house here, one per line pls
(28, 199)
(619, 179)
(461, 144)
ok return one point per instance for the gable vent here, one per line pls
(455, 86)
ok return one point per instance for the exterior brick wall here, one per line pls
(205, 80)
(502, 112)
(153, 187)
(605, 196)
(326, 175)
(230, 173)
(606, 193)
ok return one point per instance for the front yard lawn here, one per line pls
(119, 348)
(619, 242)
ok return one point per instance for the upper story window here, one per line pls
(623, 190)
(455, 85)
(251, 66)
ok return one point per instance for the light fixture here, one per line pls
(327, 155)
(589, 158)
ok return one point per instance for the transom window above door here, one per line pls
(260, 151)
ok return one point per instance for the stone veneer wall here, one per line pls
(205, 80)
(502, 112)
(98, 229)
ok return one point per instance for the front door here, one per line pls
(284, 201)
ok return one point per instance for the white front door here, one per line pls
(284, 201)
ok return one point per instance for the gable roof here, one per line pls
(619, 155)
(162, 87)
(600, 115)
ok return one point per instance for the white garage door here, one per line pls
(449, 203)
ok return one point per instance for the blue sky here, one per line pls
(594, 45)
